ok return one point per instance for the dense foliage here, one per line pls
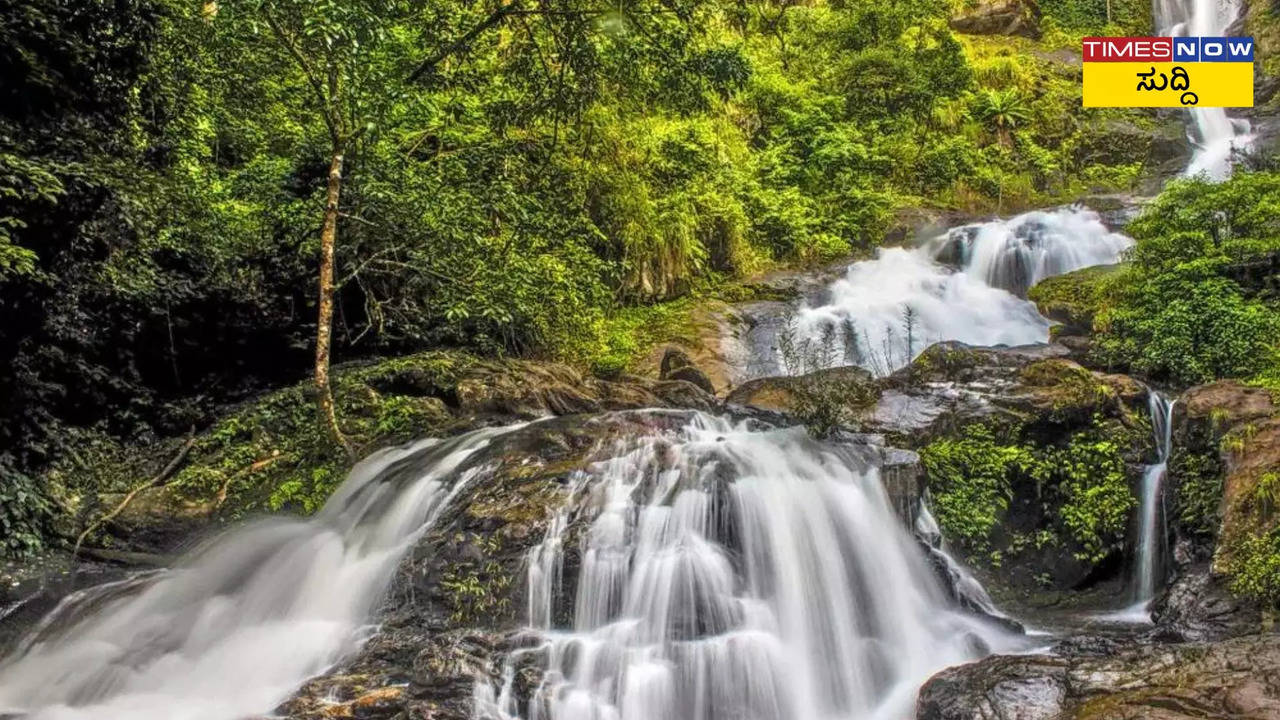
(1077, 494)
(1195, 302)
(517, 179)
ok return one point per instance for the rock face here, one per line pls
(458, 604)
(1226, 445)
(1230, 679)
(999, 17)
(676, 365)
(782, 394)
(952, 385)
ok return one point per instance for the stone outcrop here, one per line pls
(999, 17)
(951, 385)
(1230, 679)
(1226, 445)
(677, 365)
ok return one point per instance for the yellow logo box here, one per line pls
(1186, 84)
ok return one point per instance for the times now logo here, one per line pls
(1168, 49)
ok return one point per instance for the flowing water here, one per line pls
(1213, 134)
(732, 572)
(232, 631)
(1148, 564)
(883, 312)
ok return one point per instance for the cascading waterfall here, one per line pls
(235, 628)
(732, 572)
(1213, 134)
(1151, 535)
(885, 311)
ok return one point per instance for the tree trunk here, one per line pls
(324, 325)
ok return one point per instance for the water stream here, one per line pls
(240, 623)
(968, 284)
(1213, 134)
(733, 572)
(1149, 553)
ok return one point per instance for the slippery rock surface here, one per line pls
(952, 385)
(1234, 678)
(459, 603)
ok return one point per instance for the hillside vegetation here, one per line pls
(528, 179)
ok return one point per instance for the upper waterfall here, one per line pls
(884, 311)
(1214, 135)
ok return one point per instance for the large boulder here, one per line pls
(1235, 678)
(786, 394)
(999, 17)
(1035, 387)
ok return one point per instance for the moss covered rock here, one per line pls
(272, 455)
(1225, 485)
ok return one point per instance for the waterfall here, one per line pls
(239, 624)
(1151, 524)
(885, 311)
(1213, 134)
(727, 571)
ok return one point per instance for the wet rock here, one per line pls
(1004, 688)
(999, 17)
(781, 394)
(1198, 606)
(692, 375)
(526, 389)
(1231, 678)
(673, 358)
(952, 385)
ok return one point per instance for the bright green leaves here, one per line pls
(1189, 309)
(23, 183)
(1078, 493)
(971, 483)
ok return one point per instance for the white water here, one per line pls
(865, 313)
(234, 629)
(1149, 556)
(732, 573)
(1213, 134)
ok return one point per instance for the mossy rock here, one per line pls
(271, 454)
(1075, 298)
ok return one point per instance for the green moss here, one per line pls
(1197, 480)
(1096, 498)
(1075, 298)
(1080, 491)
(1255, 568)
(1066, 385)
(477, 592)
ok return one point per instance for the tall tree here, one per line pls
(335, 45)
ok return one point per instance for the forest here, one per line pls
(535, 184)
(246, 243)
